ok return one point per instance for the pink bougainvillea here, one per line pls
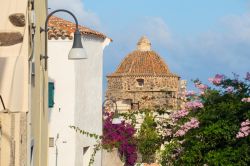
(202, 93)
(201, 87)
(122, 137)
(229, 89)
(247, 76)
(194, 104)
(179, 114)
(244, 130)
(217, 79)
(247, 100)
(190, 93)
(193, 123)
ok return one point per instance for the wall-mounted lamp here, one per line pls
(77, 51)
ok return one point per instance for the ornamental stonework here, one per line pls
(10, 38)
(143, 80)
(17, 19)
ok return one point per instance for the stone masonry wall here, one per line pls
(155, 92)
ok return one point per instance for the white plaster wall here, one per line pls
(62, 71)
(89, 97)
(78, 95)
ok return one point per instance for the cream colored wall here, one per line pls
(14, 86)
(111, 158)
(14, 59)
(13, 139)
(39, 88)
(123, 105)
(5, 142)
(15, 82)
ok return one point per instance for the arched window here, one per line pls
(140, 82)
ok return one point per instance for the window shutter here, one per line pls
(51, 94)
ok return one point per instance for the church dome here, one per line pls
(142, 61)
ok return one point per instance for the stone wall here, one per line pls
(151, 83)
(158, 91)
(115, 83)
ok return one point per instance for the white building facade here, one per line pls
(76, 86)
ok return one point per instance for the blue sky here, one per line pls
(196, 38)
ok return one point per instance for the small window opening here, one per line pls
(85, 149)
(140, 82)
(51, 142)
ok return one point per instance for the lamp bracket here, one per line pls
(43, 57)
(2, 102)
(42, 29)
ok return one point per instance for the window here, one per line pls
(135, 106)
(32, 152)
(140, 82)
(51, 141)
(85, 149)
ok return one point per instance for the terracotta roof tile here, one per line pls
(60, 28)
(143, 61)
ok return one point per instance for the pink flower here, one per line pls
(246, 123)
(229, 89)
(202, 87)
(217, 79)
(246, 100)
(193, 123)
(179, 114)
(244, 130)
(194, 104)
(180, 133)
(202, 93)
(247, 76)
(240, 135)
(190, 93)
(211, 80)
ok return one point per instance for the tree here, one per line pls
(148, 139)
(222, 134)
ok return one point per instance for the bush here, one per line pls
(222, 135)
(120, 136)
(148, 139)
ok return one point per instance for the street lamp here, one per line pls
(116, 119)
(77, 51)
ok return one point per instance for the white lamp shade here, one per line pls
(116, 121)
(77, 53)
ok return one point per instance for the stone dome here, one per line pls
(142, 61)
